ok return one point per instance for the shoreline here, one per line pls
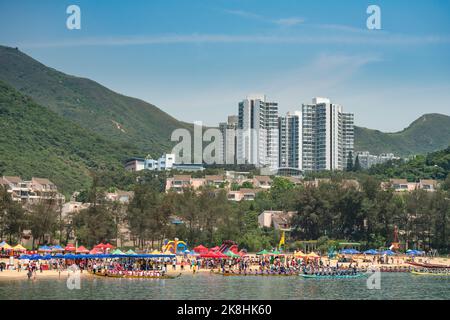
(14, 275)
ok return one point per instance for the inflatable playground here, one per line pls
(175, 246)
(228, 248)
(179, 247)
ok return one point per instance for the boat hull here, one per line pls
(227, 274)
(430, 274)
(105, 275)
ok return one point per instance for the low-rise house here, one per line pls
(263, 182)
(215, 180)
(428, 185)
(402, 185)
(179, 182)
(295, 180)
(120, 196)
(73, 207)
(351, 183)
(243, 194)
(280, 220)
(32, 191)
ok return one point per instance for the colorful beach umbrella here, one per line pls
(82, 249)
(313, 255)
(70, 248)
(57, 248)
(117, 252)
(5, 246)
(201, 249)
(371, 252)
(19, 248)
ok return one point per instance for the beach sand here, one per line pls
(8, 275)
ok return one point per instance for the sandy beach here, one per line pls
(9, 275)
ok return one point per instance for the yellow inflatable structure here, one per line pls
(173, 246)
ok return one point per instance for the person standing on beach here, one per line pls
(29, 273)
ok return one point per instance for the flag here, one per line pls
(281, 240)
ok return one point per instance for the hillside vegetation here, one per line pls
(115, 117)
(38, 142)
(431, 132)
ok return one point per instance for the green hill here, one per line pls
(37, 142)
(113, 116)
(431, 132)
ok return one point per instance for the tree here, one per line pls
(357, 166)
(42, 220)
(96, 223)
(350, 162)
(12, 216)
(247, 185)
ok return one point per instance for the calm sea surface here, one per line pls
(209, 286)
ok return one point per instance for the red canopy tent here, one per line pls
(82, 249)
(212, 254)
(201, 249)
(216, 248)
(109, 246)
(96, 251)
(70, 247)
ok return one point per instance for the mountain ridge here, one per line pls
(112, 115)
(128, 121)
(428, 133)
(36, 141)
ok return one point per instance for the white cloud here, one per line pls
(366, 39)
(288, 22)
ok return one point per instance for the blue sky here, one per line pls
(196, 59)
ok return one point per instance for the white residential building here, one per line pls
(367, 160)
(327, 136)
(291, 137)
(257, 138)
(229, 143)
(165, 162)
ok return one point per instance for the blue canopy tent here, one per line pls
(349, 251)
(25, 256)
(44, 249)
(35, 257)
(388, 253)
(371, 251)
(57, 248)
(414, 252)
